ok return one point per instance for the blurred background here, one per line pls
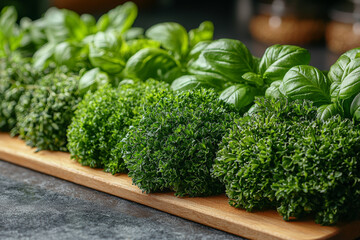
(326, 27)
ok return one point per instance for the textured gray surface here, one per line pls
(37, 206)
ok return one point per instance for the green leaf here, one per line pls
(134, 33)
(150, 63)
(77, 29)
(188, 82)
(66, 53)
(172, 37)
(253, 78)
(306, 82)
(355, 107)
(204, 32)
(105, 52)
(133, 46)
(8, 19)
(327, 111)
(92, 79)
(224, 59)
(273, 91)
(350, 81)
(43, 55)
(54, 22)
(278, 59)
(196, 50)
(240, 95)
(119, 19)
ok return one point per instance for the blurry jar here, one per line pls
(289, 22)
(343, 31)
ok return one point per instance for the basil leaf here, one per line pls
(196, 50)
(224, 59)
(8, 19)
(133, 33)
(150, 63)
(240, 95)
(327, 111)
(172, 37)
(54, 22)
(350, 82)
(253, 78)
(43, 56)
(133, 46)
(204, 32)
(92, 79)
(278, 59)
(77, 29)
(188, 82)
(105, 52)
(273, 91)
(337, 70)
(119, 19)
(355, 107)
(306, 82)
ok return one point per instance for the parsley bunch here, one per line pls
(281, 156)
(174, 144)
(45, 111)
(103, 119)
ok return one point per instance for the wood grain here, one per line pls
(211, 211)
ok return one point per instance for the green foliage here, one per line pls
(173, 145)
(102, 120)
(15, 74)
(281, 156)
(306, 82)
(46, 110)
(278, 59)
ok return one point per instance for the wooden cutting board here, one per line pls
(211, 211)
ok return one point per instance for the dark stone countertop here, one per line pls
(37, 206)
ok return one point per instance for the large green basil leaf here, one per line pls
(188, 82)
(337, 70)
(105, 52)
(350, 81)
(172, 37)
(241, 95)
(224, 59)
(119, 19)
(205, 32)
(306, 82)
(278, 59)
(355, 107)
(92, 79)
(327, 111)
(196, 50)
(273, 91)
(150, 63)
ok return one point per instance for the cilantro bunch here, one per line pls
(174, 144)
(281, 156)
(45, 111)
(102, 120)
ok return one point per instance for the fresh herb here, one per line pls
(173, 145)
(15, 74)
(45, 111)
(281, 156)
(102, 120)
